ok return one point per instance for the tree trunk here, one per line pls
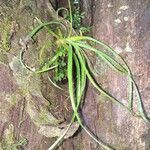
(29, 103)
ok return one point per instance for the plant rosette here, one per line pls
(71, 62)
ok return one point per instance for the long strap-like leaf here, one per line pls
(42, 25)
(70, 82)
(82, 62)
(110, 61)
(121, 69)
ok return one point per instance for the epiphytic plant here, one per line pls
(71, 62)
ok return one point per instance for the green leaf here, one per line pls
(98, 87)
(140, 103)
(54, 83)
(82, 62)
(45, 24)
(70, 80)
(78, 76)
(110, 61)
(47, 65)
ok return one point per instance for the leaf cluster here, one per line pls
(70, 53)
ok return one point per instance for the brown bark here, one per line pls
(123, 25)
(25, 98)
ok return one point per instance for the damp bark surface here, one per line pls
(34, 112)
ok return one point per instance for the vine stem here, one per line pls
(71, 19)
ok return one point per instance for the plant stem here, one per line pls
(71, 20)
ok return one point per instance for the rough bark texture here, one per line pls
(25, 98)
(124, 25)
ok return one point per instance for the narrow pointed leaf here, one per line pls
(110, 61)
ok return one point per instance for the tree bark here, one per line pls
(124, 26)
(25, 98)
